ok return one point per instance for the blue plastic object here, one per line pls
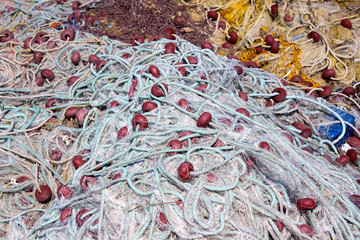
(332, 131)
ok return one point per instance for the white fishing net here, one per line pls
(237, 189)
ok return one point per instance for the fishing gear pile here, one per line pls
(290, 38)
(161, 139)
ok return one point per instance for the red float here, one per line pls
(37, 57)
(297, 79)
(260, 50)
(6, 36)
(64, 191)
(218, 143)
(48, 74)
(281, 96)
(113, 104)
(355, 199)
(93, 59)
(184, 104)
(71, 112)
(184, 171)
(315, 36)
(351, 153)
(76, 5)
(154, 70)
(304, 228)
(346, 23)
(201, 88)
(343, 160)
(137, 40)
(275, 46)
(126, 55)
(326, 92)
(71, 80)
(51, 102)
(239, 70)
(182, 70)
(227, 45)
(279, 225)
(44, 195)
(204, 119)
(153, 39)
(353, 141)
(251, 64)
(24, 179)
(213, 15)
(79, 217)
(349, 91)
(157, 91)
(185, 143)
(328, 73)
(243, 111)
(264, 145)
(87, 181)
(207, 45)
(243, 96)
(81, 115)
(306, 204)
(75, 58)
(139, 120)
(306, 133)
(269, 39)
(65, 214)
(174, 144)
(148, 106)
(68, 34)
(168, 33)
(170, 48)
(192, 60)
(328, 158)
(100, 64)
(116, 176)
(122, 132)
(51, 45)
(55, 155)
(27, 42)
(180, 21)
(161, 222)
(291, 139)
(78, 161)
(233, 37)
(274, 9)
(298, 125)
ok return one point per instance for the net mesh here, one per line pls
(129, 186)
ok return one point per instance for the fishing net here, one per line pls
(146, 18)
(290, 23)
(134, 129)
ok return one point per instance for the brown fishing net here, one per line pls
(123, 19)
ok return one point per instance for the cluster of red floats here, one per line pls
(231, 36)
(270, 42)
(43, 194)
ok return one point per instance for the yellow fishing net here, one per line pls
(298, 55)
(287, 63)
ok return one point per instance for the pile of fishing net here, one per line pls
(165, 140)
(292, 24)
(147, 18)
(310, 38)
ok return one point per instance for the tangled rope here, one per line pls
(165, 140)
(293, 25)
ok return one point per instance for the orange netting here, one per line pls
(289, 61)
